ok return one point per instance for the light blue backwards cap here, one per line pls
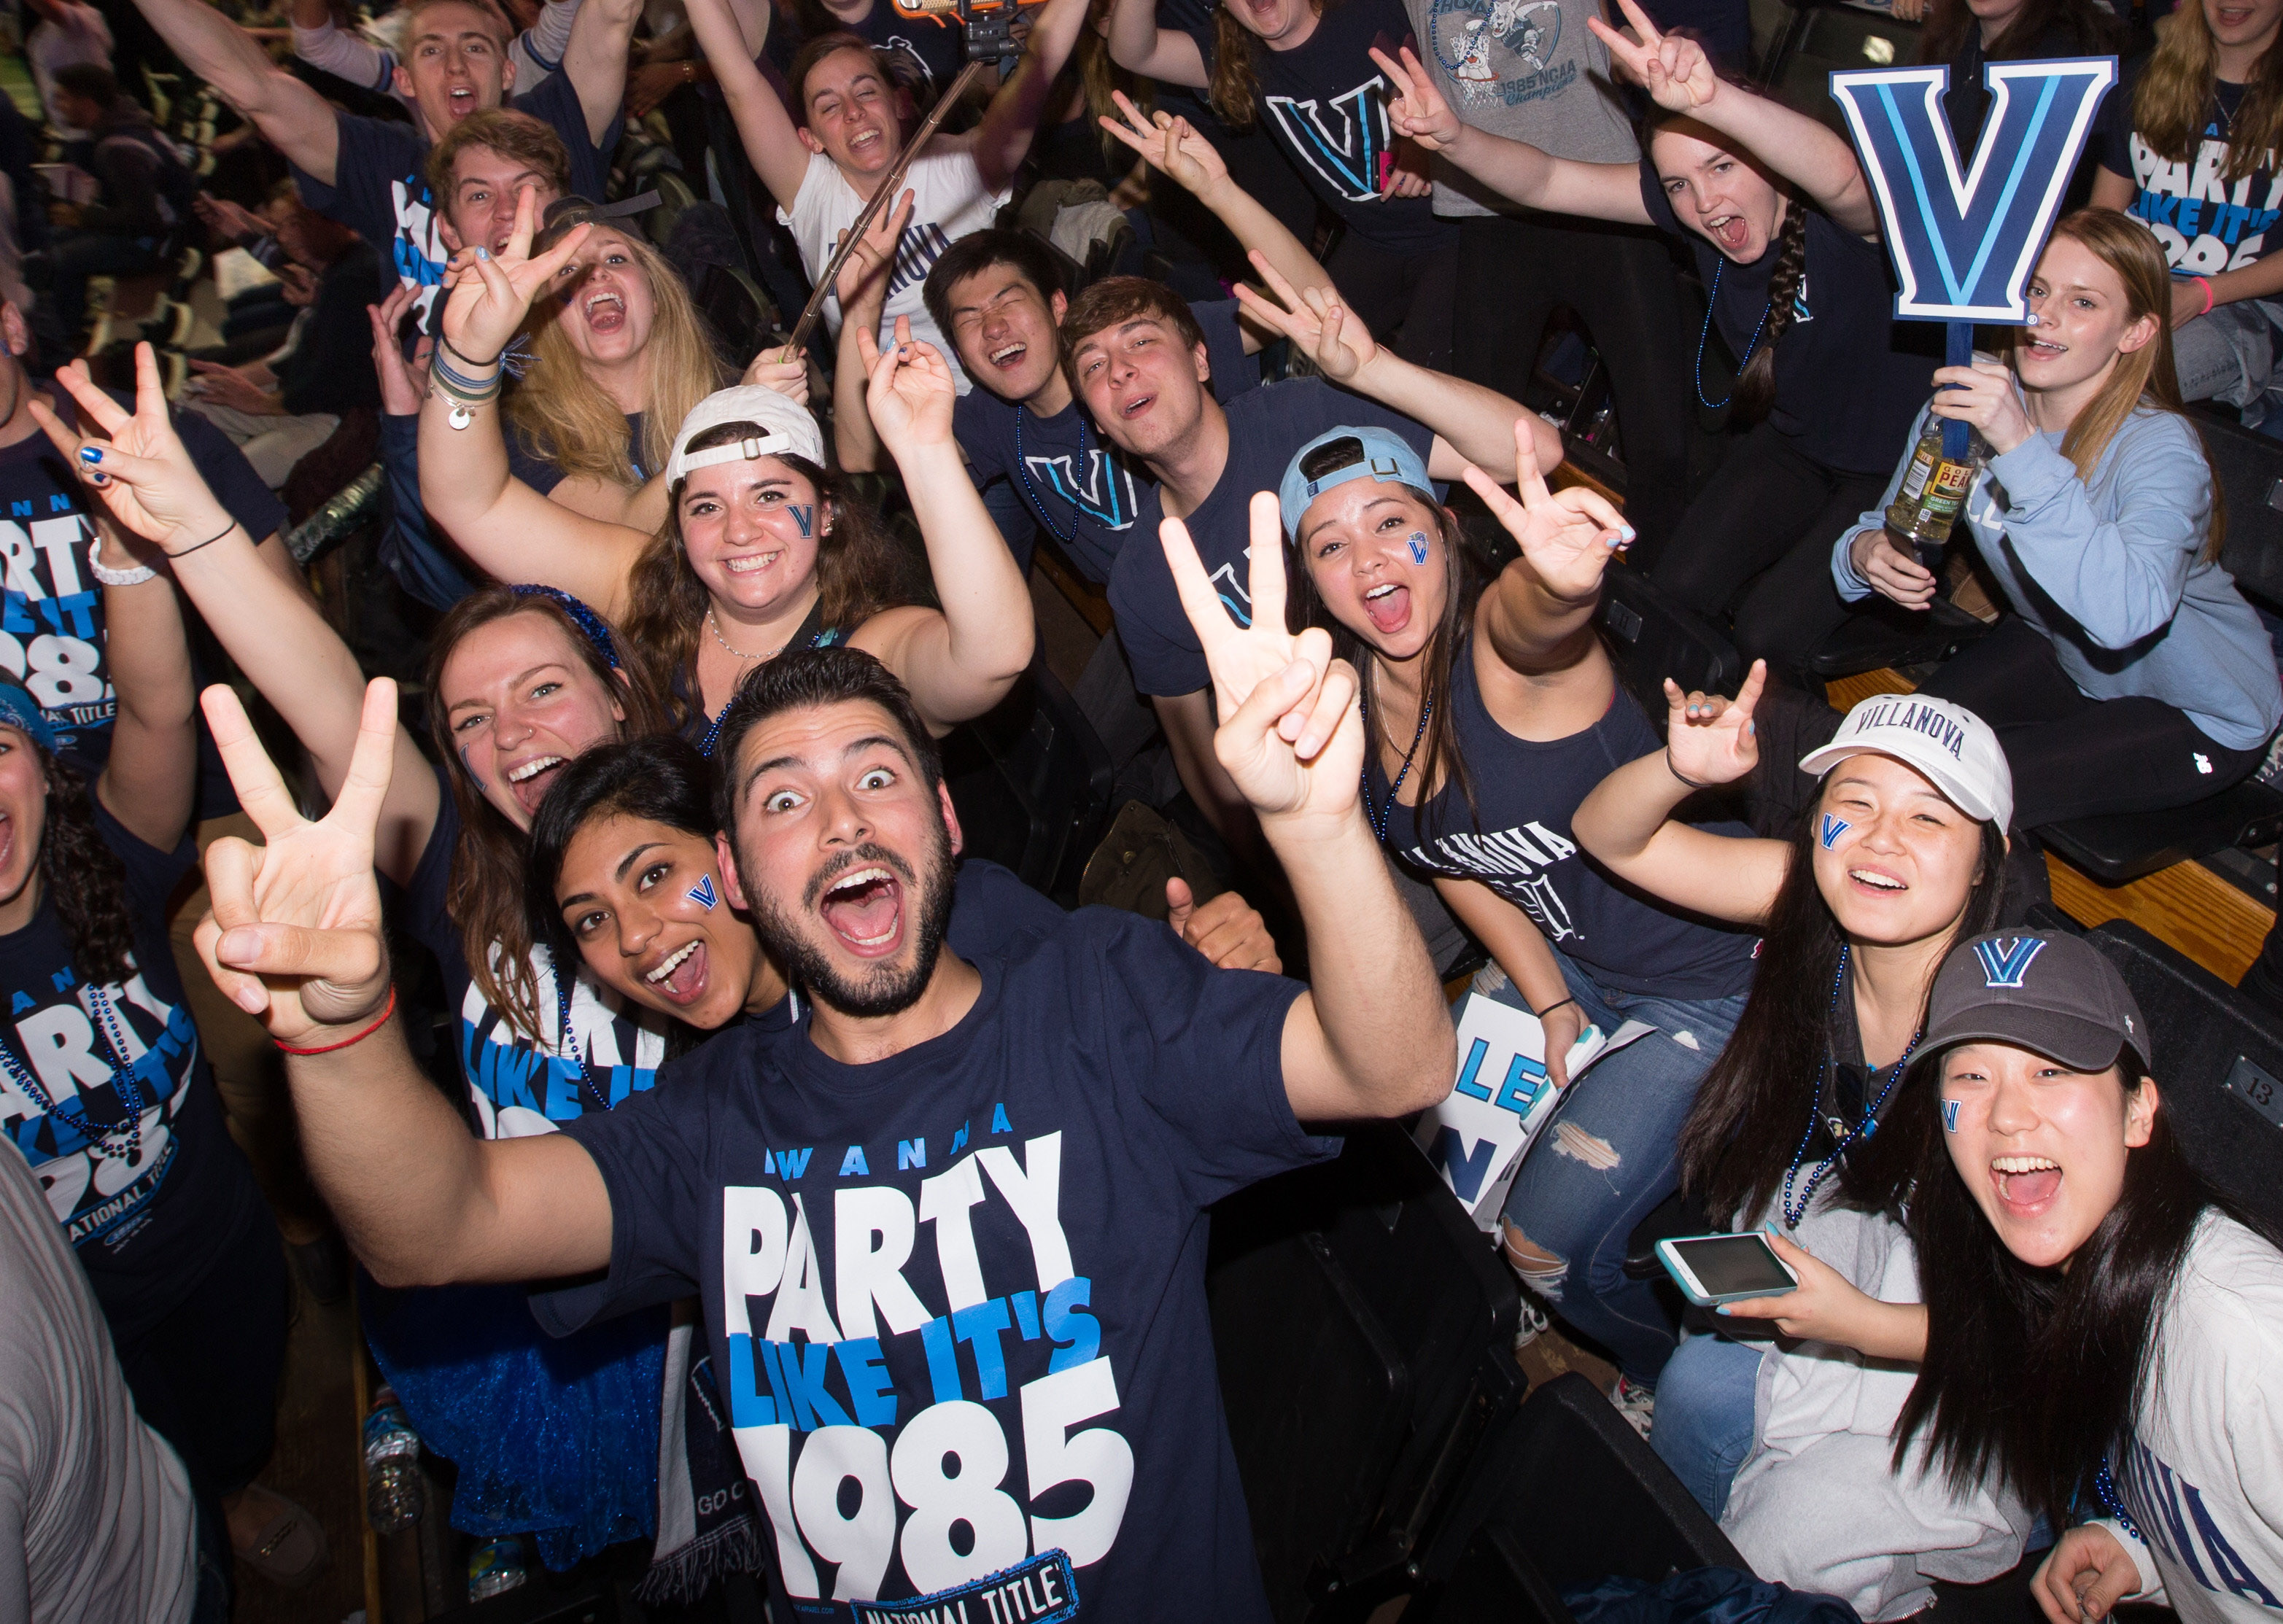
(1385, 456)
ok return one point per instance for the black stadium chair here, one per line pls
(1819, 38)
(1364, 1329)
(1653, 638)
(1562, 1493)
(2123, 846)
(2218, 1057)
(1031, 783)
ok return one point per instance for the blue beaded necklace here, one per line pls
(2104, 1489)
(1379, 815)
(1743, 361)
(128, 1129)
(1023, 471)
(1863, 1130)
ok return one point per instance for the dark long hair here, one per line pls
(859, 567)
(2090, 30)
(1741, 1133)
(2032, 1376)
(1236, 82)
(660, 779)
(1464, 580)
(1754, 395)
(85, 878)
(485, 892)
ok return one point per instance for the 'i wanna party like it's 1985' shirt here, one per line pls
(957, 1296)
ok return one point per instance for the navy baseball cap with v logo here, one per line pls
(2043, 990)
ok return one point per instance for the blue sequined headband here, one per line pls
(585, 619)
(20, 710)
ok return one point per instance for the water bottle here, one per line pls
(495, 1566)
(393, 1493)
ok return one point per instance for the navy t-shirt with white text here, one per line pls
(957, 1295)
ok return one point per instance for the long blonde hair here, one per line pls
(571, 420)
(2174, 99)
(2145, 376)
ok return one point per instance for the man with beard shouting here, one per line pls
(949, 1229)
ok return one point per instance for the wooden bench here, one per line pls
(2186, 906)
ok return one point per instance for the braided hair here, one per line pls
(1756, 385)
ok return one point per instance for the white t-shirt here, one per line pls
(82, 37)
(949, 201)
(2204, 1482)
(95, 1509)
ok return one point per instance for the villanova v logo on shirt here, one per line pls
(1344, 146)
(2003, 963)
(1964, 241)
(1106, 496)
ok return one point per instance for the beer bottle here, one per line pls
(1920, 518)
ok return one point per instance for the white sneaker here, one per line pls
(1531, 1325)
(1636, 1403)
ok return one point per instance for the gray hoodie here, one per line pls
(2111, 570)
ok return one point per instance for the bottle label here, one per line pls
(1914, 481)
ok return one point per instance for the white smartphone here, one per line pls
(1711, 1269)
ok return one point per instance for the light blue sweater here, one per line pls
(2110, 572)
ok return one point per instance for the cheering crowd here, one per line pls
(584, 968)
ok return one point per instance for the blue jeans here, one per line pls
(1607, 1157)
(1703, 1428)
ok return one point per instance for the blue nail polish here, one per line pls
(483, 253)
(98, 478)
(91, 453)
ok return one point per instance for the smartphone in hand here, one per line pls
(1711, 1269)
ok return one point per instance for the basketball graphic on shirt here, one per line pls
(1505, 52)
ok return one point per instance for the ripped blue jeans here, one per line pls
(1606, 1158)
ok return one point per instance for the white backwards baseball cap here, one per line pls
(786, 426)
(1952, 747)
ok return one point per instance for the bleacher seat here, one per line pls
(737, 311)
(2218, 1057)
(1031, 783)
(1821, 37)
(1562, 1493)
(1654, 638)
(1364, 1330)
(2123, 846)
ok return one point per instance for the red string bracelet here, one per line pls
(387, 1010)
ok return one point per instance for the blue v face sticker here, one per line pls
(1833, 828)
(1418, 543)
(702, 893)
(805, 516)
(1950, 1117)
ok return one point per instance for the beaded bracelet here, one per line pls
(135, 577)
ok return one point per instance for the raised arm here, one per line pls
(294, 117)
(772, 144)
(960, 661)
(1181, 154)
(547, 41)
(1627, 821)
(1539, 614)
(322, 43)
(1372, 1036)
(501, 523)
(863, 292)
(1472, 424)
(595, 61)
(151, 781)
(1140, 46)
(1012, 118)
(1804, 150)
(294, 938)
(1512, 168)
(273, 631)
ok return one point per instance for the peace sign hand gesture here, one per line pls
(911, 394)
(294, 933)
(141, 470)
(1709, 737)
(1567, 537)
(1340, 344)
(492, 293)
(873, 252)
(1418, 109)
(1170, 145)
(1675, 72)
(1291, 732)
